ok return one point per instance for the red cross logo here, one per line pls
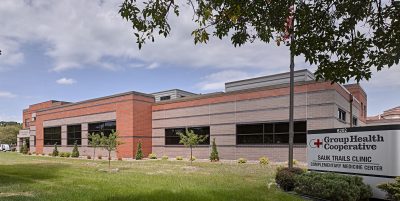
(317, 143)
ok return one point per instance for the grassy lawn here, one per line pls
(46, 178)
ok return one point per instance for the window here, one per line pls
(270, 133)
(52, 135)
(355, 121)
(341, 114)
(74, 133)
(26, 123)
(172, 137)
(165, 98)
(102, 127)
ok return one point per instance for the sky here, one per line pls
(73, 50)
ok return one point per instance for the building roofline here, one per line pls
(97, 99)
(174, 90)
(217, 94)
(359, 85)
(269, 76)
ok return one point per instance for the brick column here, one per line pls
(64, 135)
(84, 127)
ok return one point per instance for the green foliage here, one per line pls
(344, 39)
(8, 133)
(164, 157)
(214, 152)
(24, 149)
(75, 151)
(110, 143)
(94, 142)
(295, 162)
(99, 157)
(64, 154)
(152, 156)
(89, 157)
(190, 139)
(331, 186)
(392, 189)
(242, 160)
(179, 158)
(55, 150)
(264, 160)
(139, 152)
(285, 177)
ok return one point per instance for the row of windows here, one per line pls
(342, 117)
(172, 134)
(260, 133)
(52, 135)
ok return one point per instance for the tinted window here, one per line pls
(74, 134)
(52, 135)
(172, 136)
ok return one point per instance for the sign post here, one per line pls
(371, 152)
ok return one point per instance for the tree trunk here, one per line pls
(109, 161)
(94, 152)
(191, 156)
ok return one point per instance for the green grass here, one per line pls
(45, 178)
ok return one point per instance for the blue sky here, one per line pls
(75, 50)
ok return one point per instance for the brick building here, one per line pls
(249, 119)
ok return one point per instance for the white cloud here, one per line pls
(77, 34)
(5, 117)
(66, 81)
(7, 94)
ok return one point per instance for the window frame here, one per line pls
(74, 132)
(52, 140)
(277, 134)
(342, 115)
(99, 131)
(174, 131)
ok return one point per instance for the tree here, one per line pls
(344, 39)
(190, 139)
(139, 153)
(214, 153)
(94, 141)
(8, 133)
(75, 151)
(110, 143)
(55, 150)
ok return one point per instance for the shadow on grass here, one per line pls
(28, 173)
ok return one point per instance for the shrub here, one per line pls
(75, 151)
(331, 186)
(67, 154)
(165, 157)
(88, 157)
(295, 162)
(55, 151)
(99, 157)
(61, 154)
(119, 158)
(264, 160)
(43, 154)
(392, 189)
(153, 156)
(242, 160)
(50, 154)
(29, 153)
(179, 158)
(285, 177)
(24, 149)
(34, 153)
(193, 158)
(214, 152)
(139, 152)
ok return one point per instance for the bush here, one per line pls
(331, 186)
(75, 151)
(43, 154)
(24, 149)
(264, 160)
(214, 152)
(242, 160)
(139, 152)
(165, 157)
(192, 159)
(179, 158)
(285, 177)
(153, 156)
(50, 154)
(29, 153)
(61, 154)
(88, 157)
(119, 158)
(99, 157)
(67, 154)
(55, 151)
(392, 189)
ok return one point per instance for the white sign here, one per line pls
(372, 151)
